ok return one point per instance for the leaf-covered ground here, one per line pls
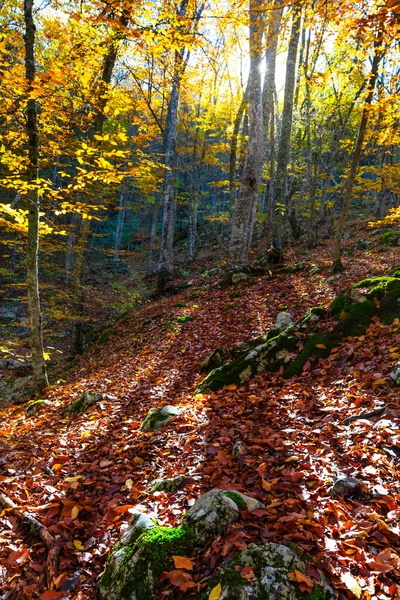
(81, 476)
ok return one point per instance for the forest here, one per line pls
(199, 299)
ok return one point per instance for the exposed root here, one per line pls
(38, 530)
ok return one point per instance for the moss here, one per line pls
(228, 307)
(154, 550)
(245, 367)
(180, 305)
(387, 291)
(389, 237)
(184, 319)
(356, 320)
(237, 498)
(395, 273)
(338, 304)
(311, 349)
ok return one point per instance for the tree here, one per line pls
(33, 206)
(244, 209)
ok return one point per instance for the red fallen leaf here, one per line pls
(106, 463)
(51, 595)
(18, 557)
(121, 510)
(181, 579)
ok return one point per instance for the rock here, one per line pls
(157, 418)
(362, 244)
(345, 486)
(333, 278)
(88, 399)
(213, 361)
(210, 515)
(395, 374)
(271, 564)
(283, 321)
(8, 315)
(17, 390)
(136, 563)
(243, 501)
(239, 277)
(375, 232)
(10, 364)
(346, 235)
(169, 485)
(33, 407)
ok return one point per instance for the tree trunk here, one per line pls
(153, 234)
(245, 207)
(286, 126)
(337, 265)
(121, 218)
(32, 251)
(270, 66)
(166, 261)
(233, 149)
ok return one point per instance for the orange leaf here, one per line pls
(121, 510)
(180, 579)
(320, 346)
(181, 562)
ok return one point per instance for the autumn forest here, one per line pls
(199, 300)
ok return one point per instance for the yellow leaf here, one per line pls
(84, 146)
(379, 382)
(352, 584)
(320, 346)
(74, 512)
(215, 592)
(78, 545)
(129, 484)
(56, 467)
(138, 460)
(393, 349)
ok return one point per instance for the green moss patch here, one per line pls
(237, 498)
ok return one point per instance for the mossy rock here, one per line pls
(137, 562)
(271, 564)
(158, 417)
(387, 291)
(33, 407)
(81, 405)
(169, 485)
(319, 346)
(184, 319)
(213, 361)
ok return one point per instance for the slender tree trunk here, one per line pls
(337, 265)
(32, 252)
(286, 126)
(153, 234)
(121, 218)
(233, 149)
(166, 261)
(192, 230)
(270, 66)
(245, 207)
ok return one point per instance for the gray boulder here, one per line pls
(157, 418)
(271, 564)
(210, 515)
(88, 399)
(213, 361)
(344, 486)
(395, 374)
(169, 485)
(283, 321)
(239, 277)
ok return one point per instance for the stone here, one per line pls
(88, 399)
(345, 486)
(239, 277)
(8, 315)
(140, 522)
(362, 244)
(169, 485)
(236, 449)
(18, 389)
(213, 361)
(271, 564)
(33, 407)
(243, 501)
(283, 321)
(20, 368)
(210, 515)
(346, 235)
(157, 418)
(395, 374)
(375, 232)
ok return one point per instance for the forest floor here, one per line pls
(80, 476)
